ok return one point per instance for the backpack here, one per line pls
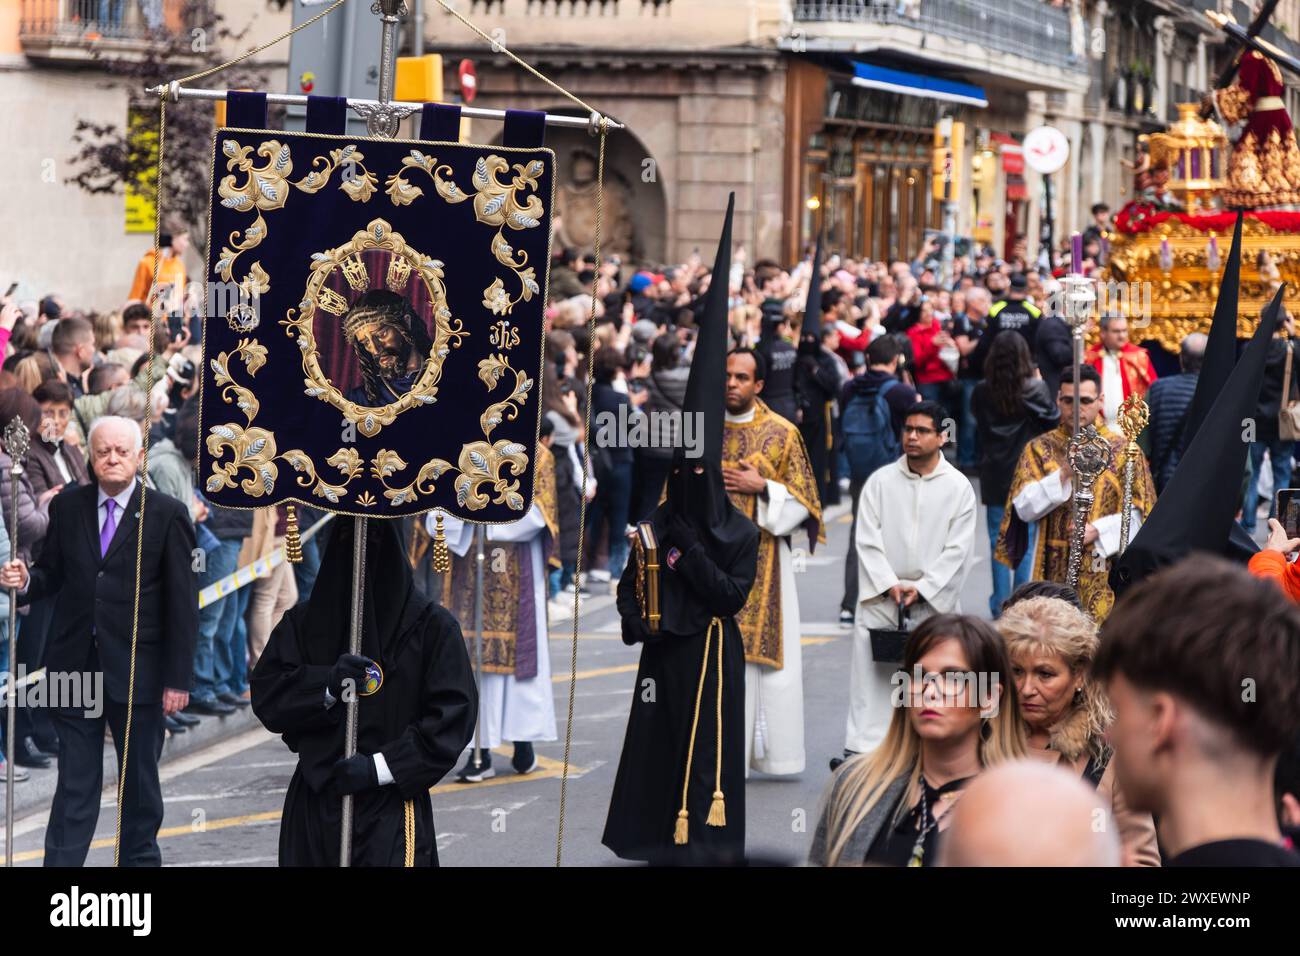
(868, 427)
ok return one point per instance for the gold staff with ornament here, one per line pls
(1133, 417)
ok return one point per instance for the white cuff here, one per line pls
(1108, 527)
(1042, 497)
(381, 768)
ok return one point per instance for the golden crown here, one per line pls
(354, 270)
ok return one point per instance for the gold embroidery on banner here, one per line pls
(480, 462)
(403, 193)
(447, 332)
(498, 205)
(267, 188)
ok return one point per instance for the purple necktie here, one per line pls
(110, 525)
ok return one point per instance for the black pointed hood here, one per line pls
(1198, 509)
(1221, 344)
(707, 386)
(812, 310)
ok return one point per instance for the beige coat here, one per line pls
(1137, 831)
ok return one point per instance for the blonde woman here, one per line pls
(955, 714)
(1051, 645)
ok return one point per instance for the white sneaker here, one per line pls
(598, 576)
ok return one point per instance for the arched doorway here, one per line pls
(636, 210)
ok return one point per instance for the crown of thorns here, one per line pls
(394, 315)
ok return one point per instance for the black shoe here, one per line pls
(234, 700)
(173, 725)
(27, 755)
(469, 774)
(836, 762)
(524, 760)
(184, 719)
(209, 708)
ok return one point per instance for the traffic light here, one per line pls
(949, 159)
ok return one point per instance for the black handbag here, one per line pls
(887, 645)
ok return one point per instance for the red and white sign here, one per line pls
(1046, 149)
(468, 80)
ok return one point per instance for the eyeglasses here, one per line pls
(919, 430)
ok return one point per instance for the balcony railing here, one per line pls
(1032, 29)
(61, 27)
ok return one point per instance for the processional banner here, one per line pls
(380, 347)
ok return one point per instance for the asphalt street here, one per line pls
(223, 803)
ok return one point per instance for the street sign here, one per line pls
(468, 80)
(1046, 149)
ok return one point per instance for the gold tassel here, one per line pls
(441, 556)
(292, 542)
(717, 811)
(682, 831)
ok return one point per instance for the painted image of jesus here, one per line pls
(391, 343)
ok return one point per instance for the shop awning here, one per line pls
(914, 84)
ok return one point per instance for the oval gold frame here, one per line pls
(447, 331)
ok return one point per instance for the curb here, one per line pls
(38, 790)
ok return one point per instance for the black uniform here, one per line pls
(420, 719)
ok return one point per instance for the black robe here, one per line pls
(648, 787)
(420, 719)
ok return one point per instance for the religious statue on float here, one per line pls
(1264, 169)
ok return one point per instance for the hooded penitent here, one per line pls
(1198, 508)
(419, 717)
(679, 794)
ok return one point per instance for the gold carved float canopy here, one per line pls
(1166, 278)
(373, 337)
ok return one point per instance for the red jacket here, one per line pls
(929, 368)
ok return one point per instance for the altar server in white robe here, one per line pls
(767, 473)
(516, 701)
(915, 537)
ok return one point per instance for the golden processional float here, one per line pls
(1170, 241)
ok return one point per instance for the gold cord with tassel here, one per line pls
(441, 556)
(717, 811)
(292, 540)
(408, 813)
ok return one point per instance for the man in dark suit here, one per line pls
(89, 559)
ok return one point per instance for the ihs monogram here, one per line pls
(502, 335)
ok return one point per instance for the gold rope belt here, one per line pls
(718, 809)
(408, 812)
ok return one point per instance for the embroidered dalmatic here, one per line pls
(1264, 171)
(769, 622)
(1038, 495)
(515, 695)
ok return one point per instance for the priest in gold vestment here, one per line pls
(768, 476)
(1042, 491)
(515, 692)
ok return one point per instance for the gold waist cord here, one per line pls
(408, 811)
(718, 809)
